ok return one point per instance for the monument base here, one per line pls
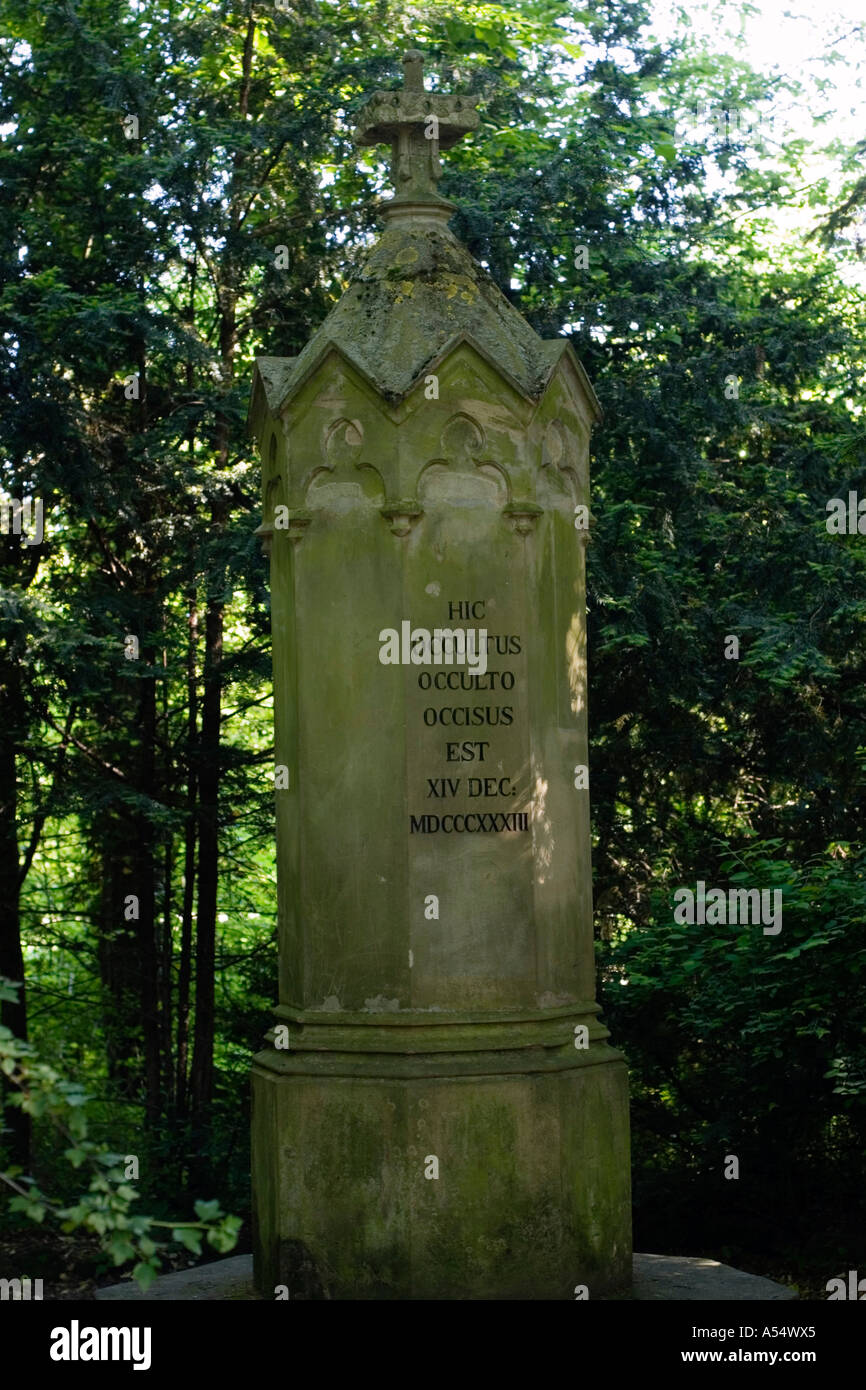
(657, 1278)
(469, 1186)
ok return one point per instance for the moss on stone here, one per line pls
(442, 294)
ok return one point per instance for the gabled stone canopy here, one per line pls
(418, 293)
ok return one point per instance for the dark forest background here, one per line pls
(178, 192)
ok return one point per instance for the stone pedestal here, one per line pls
(526, 1203)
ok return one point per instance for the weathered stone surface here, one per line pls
(656, 1277)
(414, 297)
(227, 1280)
(464, 1035)
(684, 1277)
(416, 124)
(524, 1206)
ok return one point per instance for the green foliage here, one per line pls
(156, 255)
(751, 1044)
(105, 1208)
(764, 1008)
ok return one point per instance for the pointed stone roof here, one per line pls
(418, 292)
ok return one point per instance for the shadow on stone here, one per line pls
(299, 1273)
(656, 1278)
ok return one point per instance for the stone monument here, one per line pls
(437, 1113)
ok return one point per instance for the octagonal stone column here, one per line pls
(437, 1112)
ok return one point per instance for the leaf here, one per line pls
(144, 1274)
(35, 1211)
(207, 1211)
(188, 1238)
(120, 1249)
(225, 1236)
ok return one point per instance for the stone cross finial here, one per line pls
(417, 124)
(413, 70)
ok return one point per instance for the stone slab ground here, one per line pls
(656, 1277)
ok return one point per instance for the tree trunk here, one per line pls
(209, 762)
(208, 866)
(118, 955)
(144, 877)
(12, 1015)
(185, 974)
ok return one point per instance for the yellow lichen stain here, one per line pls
(408, 287)
(462, 285)
(407, 255)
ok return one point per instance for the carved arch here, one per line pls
(342, 444)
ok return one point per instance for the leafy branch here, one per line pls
(105, 1207)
